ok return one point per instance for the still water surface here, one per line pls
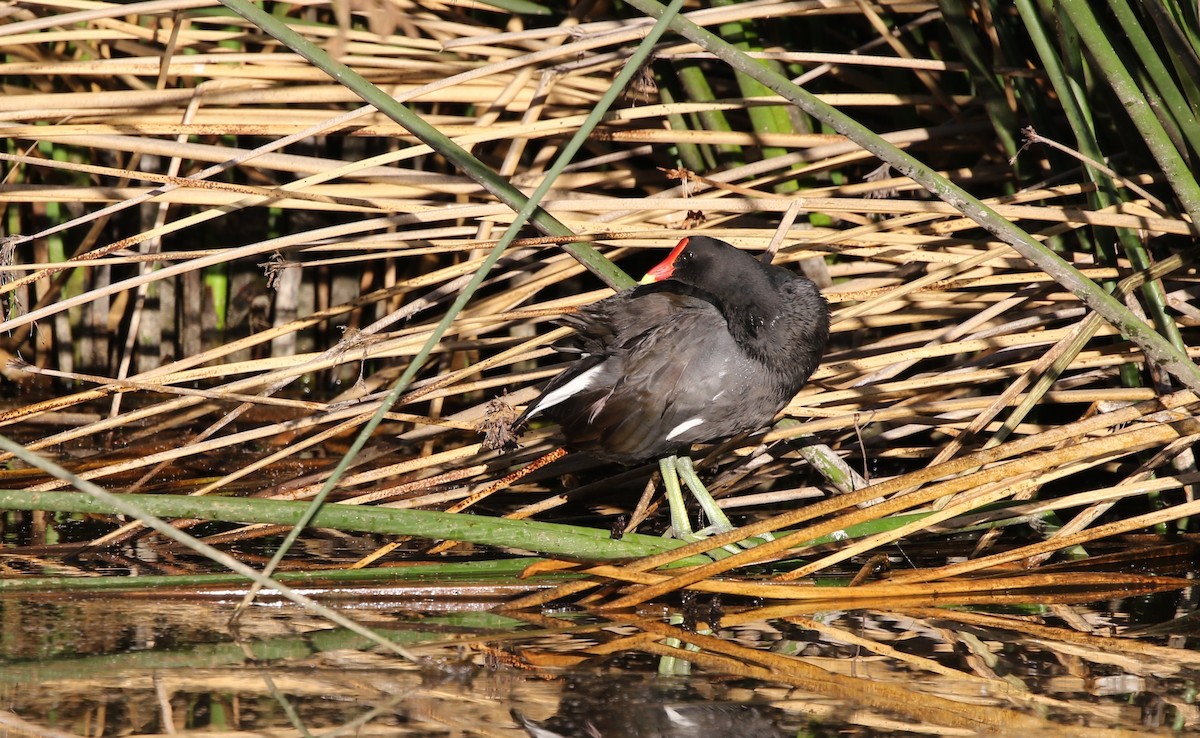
(154, 664)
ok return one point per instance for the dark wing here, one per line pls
(670, 377)
(606, 332)
(607, 328)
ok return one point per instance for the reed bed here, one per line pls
(261, 309)
(202, 241)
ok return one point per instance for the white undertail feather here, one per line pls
(684, 427)
(576, 385)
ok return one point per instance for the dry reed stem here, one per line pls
(933, 323)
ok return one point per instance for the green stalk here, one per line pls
(554, 539)
(1156, 348)
(101, 499)
(1070, 93)
(519, 7)
(1070, 103)
(501, 188)
(987, 86)
(450, 571)
(1110, 64)
(695, 85)
(1068, 75)
(526, 209)
(1175, 107)
(1181, 46)
(1106, 194)
(1131, 244)
(209, 655)
(569, 542)
(690, 154)
(764, 118)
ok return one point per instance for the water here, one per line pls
(151, 664)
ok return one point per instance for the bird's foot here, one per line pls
(674, 468)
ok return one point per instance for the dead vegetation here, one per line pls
(218, 265)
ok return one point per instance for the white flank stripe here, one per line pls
(678, 719)
(684, 427)
(578, 384)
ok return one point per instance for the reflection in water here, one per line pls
(632, 706)
(146, 665)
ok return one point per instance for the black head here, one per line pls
(746, 291)
(772, 312)
(705, 262)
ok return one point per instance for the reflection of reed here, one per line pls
(940, 670)
(217, 263)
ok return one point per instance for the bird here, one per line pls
(711, 344)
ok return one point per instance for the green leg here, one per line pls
(681, 527)
(673, 665)
(675, 467)
(718, 521)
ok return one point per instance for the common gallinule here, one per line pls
(713, 343)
